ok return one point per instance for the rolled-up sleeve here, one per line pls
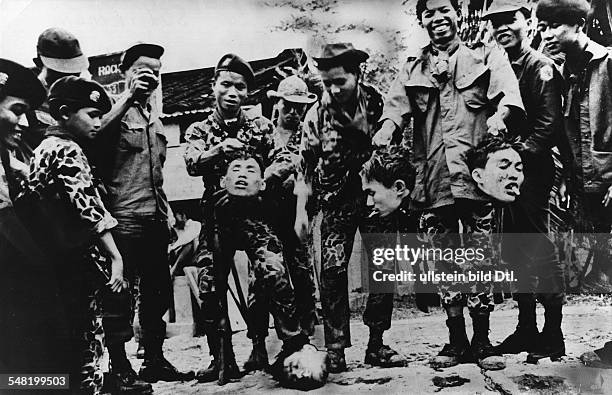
(503, 85)
(397, 104)
(197, 145)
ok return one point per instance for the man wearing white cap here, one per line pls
(292, 100)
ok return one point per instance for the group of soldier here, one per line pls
(478, 158)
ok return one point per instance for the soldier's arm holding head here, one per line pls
(503, 89)
(310, 146)
(396, 111)
(200, 155)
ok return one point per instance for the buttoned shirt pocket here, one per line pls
(133, 137)
(473, 87)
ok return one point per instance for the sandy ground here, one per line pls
(587, 324)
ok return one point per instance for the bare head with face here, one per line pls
(496, 168)
(244, 176)
(387, 178)
(561, 23)
(439, 18)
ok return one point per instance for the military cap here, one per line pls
(233, 62)
(59, 50)
(340, 53)
(78, 93)
(141, 49)
(18, 81)
(502, 6)
(569, 12)
(293, 89)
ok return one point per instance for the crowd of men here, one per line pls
(480, 162)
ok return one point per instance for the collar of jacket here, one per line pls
(220, 120)
(467, 66)
(59, 131)
(595, 51)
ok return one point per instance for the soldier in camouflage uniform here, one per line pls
(239, 216)
(292, 99)
(209, 143)
(336, 142)
(455, 95)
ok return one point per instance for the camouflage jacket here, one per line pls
(254, 132)
(335, 145)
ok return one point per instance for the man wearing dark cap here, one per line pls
(130, 154)
(336, 142)
(24, 287)
(454, 95)
(58, 54)
(535, 260)
(587, 116)
(210, 141)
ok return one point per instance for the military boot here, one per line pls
(482, 351)
(550, 343)
(457, 350)
(258, 360)
(525, 336)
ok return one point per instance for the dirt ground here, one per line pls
(587, 324)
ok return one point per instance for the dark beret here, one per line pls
(18, 81)
(569, 12)
(233, 62)
(79, 93)
(134, 52)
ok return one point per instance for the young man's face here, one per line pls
(558, 37)
(502, 176)
(440, 20)
(510, 29)
(384, 200)
(340, 84)
(290, 114)
(11, 109)
(243, 178)
(85, 123)
(230, 91)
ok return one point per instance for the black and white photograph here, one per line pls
(286, 196)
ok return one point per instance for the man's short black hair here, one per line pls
(388, 165)
(476, 157)
(245, 154)
(421, 5)
(567, 12)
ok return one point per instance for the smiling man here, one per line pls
(454, 95)
(587, 116)
(541, 89)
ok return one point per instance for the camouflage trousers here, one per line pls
(338, 227)
(439, 228)
(271, 279)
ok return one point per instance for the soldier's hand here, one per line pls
(496, 125)
(301, 224)
(116, 281)
(608, 197)
(385, 134)
(143, 82)
(231, 145)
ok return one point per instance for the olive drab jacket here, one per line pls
(450, 106)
